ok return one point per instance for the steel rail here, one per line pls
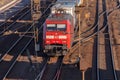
(90, 36)
(87, 38)
(111, 10)
(40, 75)
(16, 29)
(28, 6)
(111, 48)
(23, 50)
(17, 58)
(105, 26)
(57, 75)
(111, 52)
(114, 72)
(98, 49)
(20, 53)
(100, 14)
(98, 40)
(1, 59)
(14, 22)
(31, 39)
(108, 11)
(93, 34)
(14, 15)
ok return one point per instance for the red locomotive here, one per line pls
(59, 30)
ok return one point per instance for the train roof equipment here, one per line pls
(75, 2)
(67, 6)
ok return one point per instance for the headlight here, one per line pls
(49, 37)
(62, 37)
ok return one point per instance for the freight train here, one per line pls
(58, 33)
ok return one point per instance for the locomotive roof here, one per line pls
(69, 7)
(74, 2)
(62, 16)
(64, 4)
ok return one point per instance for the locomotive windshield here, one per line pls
(61, 27)
(51, 27)
(56, 27)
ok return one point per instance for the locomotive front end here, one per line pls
(59, 32)
(57, 40)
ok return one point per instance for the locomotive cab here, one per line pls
(59, 34)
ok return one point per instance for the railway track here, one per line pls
(92, 35)
(90, 32)
(14, 27)
(15, 16)
(51, 71)
(11, 29)
(15, 51)
(59, 69)
(15, 61)
(12, 44)
(3, 21)
(103, 54)
(114, 22)
(41, 73)
(6, 26)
